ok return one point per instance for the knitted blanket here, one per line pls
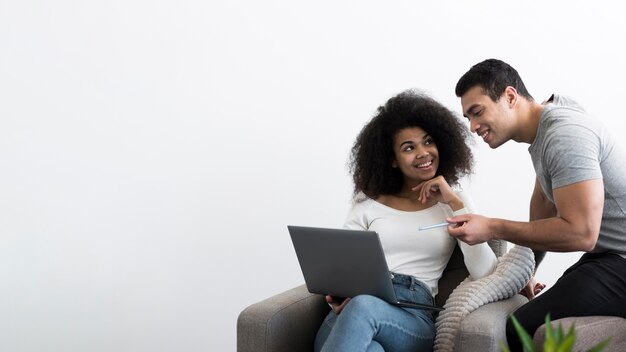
(512, 273)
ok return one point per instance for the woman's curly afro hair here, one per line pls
(372, 154)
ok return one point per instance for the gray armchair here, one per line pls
(289, 321)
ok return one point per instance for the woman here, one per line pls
(404, 162)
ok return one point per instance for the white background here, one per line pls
(153, 152)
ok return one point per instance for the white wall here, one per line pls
(153, 152)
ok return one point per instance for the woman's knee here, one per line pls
(365, 306)
(365, 301)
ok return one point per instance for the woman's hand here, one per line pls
(336, 305)
(438, 189)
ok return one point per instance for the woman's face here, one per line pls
(416, 154)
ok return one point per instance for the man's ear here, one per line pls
(511, 96)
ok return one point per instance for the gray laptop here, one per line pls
(345, 263)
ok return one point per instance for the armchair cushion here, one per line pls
(589, 332)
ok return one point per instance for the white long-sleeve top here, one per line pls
(422, 254)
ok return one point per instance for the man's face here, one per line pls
(492, 121)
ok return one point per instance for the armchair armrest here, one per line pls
(485, 328)
(285, 322)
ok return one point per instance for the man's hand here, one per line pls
(532, 288)
(470, 228)
(336, 305)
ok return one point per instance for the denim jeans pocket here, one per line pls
(415, 292)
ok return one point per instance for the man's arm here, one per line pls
(540, 208)
(575, 226)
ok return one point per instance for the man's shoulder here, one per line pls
(566, 119)
(564, 101)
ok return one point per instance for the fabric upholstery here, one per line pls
(285, 322)
(485, 329)
(589, 332)
(512, 272)
(289, 321)
(455, 271)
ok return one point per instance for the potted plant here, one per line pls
(556, 340)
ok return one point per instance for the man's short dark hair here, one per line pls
(493, 76)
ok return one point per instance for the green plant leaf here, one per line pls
(599, 347)
(558, 334)
(549, 345)
(568, 342)
(548, 326)
(556, 340)
(527, 341)
(504, 347)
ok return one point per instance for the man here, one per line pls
(579, 199)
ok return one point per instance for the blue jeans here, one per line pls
(368, 323)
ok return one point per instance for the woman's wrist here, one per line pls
(456, 204)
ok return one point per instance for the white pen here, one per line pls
(433, 226)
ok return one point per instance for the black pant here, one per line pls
(595, 285)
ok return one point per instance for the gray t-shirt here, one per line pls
(571, 147)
